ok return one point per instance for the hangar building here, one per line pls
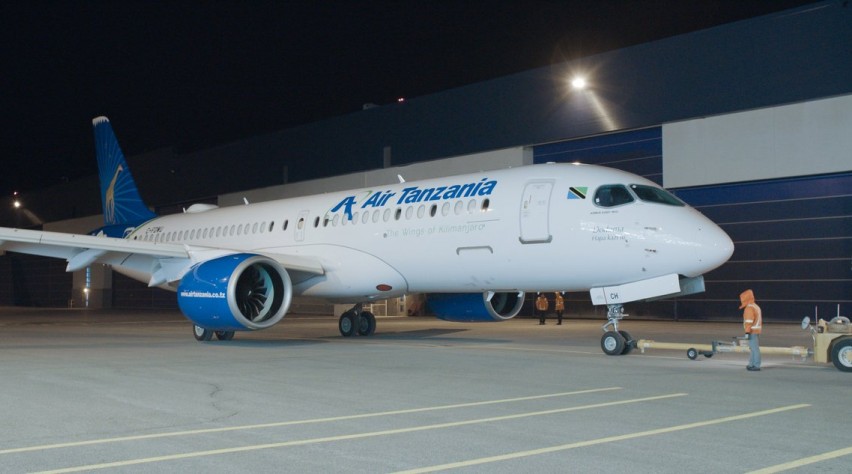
(750, 122)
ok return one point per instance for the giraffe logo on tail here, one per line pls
(109, 199)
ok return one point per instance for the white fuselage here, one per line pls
(522, 229)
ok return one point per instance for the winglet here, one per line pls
(121, 201)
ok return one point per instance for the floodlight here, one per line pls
(579, 83)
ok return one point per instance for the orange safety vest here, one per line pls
(560, 303)
(752, 316)
(541, 303)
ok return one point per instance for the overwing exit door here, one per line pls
(535, 212)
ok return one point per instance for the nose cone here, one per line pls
(715, 246)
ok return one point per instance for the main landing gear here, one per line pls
(615, 342)
(205, 335)
(357, 321)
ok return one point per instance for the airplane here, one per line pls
(475, 242)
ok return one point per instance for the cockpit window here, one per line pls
(612, 195)
(656, 195)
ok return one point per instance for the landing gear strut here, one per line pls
(357, 321)
(615, 342)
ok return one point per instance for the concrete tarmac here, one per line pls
(134, 392)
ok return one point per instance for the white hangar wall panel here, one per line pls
(794, 140)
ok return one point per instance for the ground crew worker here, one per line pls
(541, 305)
(752, 323)
(559, 306)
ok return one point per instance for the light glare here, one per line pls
(578, 83)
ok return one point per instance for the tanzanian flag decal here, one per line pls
(578, 192)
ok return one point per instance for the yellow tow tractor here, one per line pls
(832, 343)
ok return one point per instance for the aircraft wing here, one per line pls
(168, 262)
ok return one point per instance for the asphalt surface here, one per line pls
(134, 392)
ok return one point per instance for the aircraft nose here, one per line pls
(716, 246)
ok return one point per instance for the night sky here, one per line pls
(192, 75)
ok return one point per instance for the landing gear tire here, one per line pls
(348, 324)
(841, 355)
(366, 324)
(612, 343)
(692, 353)
(201, 334)
(224, 335)
(629, 343)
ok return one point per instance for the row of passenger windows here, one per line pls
(363, 217)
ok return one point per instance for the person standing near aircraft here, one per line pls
(559, 306)
(752, 323)
(541, 305)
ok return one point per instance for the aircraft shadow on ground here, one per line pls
(434, 335)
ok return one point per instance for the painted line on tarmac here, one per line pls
(372, 434)
(804, 461)
(301, 422)
(593, 442)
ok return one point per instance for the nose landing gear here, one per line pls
(614, 341)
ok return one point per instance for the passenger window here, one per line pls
(421, 211)
(397, 214)
(409, 211)
(655, 195)
(433, 210)
(459, 207)
(316, 222)
(376, 214)
(286, 223)
(612, 195)
(485, 203)
(445, 209)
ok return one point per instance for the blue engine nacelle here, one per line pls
(474, 307)
(235, 293)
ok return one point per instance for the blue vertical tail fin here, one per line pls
(121, 201)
